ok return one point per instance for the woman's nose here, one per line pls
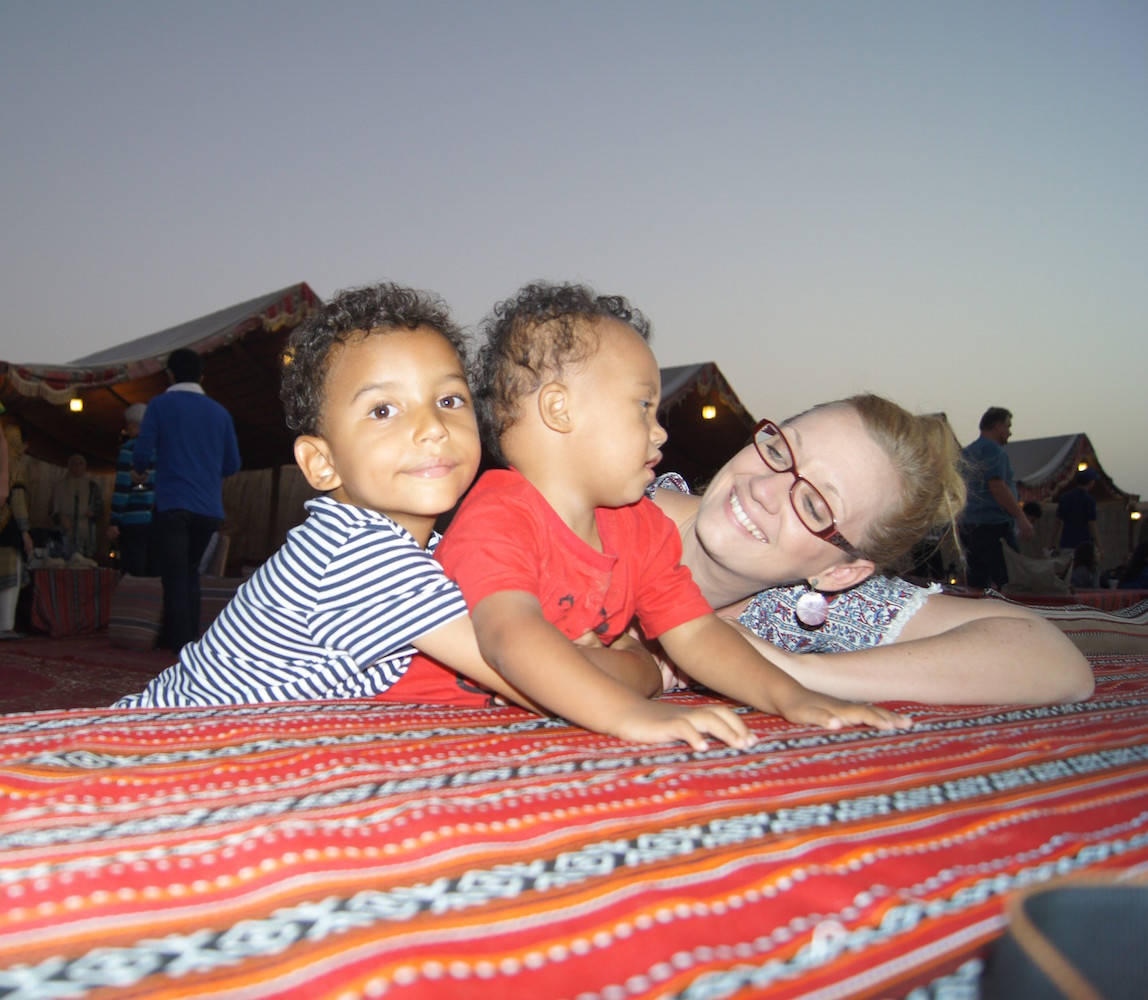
(771, 489)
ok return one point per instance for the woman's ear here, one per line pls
(844, 575)
(314, 459)
(554, 407)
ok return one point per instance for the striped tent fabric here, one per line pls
(355, 850)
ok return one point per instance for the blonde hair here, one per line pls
(927, 458)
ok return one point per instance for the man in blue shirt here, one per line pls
(193, 440)
(993, 512)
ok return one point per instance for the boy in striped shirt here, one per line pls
(375, 387)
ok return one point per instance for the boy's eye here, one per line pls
(383, 410)
(452, 402)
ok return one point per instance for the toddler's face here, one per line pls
(398, 426)
(616, 396)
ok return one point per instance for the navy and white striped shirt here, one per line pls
(332, 614)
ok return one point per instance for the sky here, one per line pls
(946, 203)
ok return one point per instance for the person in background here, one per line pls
(15, 539)
(192, 439)
(1033, 547)
(1135, 575)
(993, 513)
(77, 505)
(1076, 516)
(130, 522)
(1085, 570)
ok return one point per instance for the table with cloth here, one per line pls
(355, 850)
(72, 601)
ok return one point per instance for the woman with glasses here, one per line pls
(793, 536)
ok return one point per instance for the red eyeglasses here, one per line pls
(811, 508)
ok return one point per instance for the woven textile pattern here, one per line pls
(353, 850)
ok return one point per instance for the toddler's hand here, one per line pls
(665, 722)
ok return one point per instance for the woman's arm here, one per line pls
(956, 651)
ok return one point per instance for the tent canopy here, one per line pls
(241, 347)
(1045, 468)
(699, 445)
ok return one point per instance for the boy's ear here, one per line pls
(554, 407)
(314, 459)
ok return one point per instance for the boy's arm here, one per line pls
(535, 658)
(712, 652)
(454, 644)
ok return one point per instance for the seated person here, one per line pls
(563, 543)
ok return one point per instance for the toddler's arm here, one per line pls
(712, 652)
(535, 658)
(626, 660)
(454, 645)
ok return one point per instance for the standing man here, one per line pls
(193, 440)
(1076, 515)
(992, 512)
(130, 522)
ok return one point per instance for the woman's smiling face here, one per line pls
(746, 524)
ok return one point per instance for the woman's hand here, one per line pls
(816, 709)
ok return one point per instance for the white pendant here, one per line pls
(812, 609)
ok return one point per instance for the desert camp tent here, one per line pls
(1044, 470)
(241, 346)
(1045, 467)
(705, 420)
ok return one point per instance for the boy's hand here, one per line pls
(816, 709)
(664, 722)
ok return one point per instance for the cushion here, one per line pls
(1036, 576)
(136, 614)
(136, 617)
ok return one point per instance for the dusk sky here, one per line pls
(946, 203)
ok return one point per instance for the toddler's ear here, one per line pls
(554, 407)
(314, 459)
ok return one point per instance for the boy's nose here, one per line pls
(430, 426)
(659, 435)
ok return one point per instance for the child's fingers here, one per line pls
(724, 725)
(872, 715)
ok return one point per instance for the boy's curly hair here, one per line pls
(352, 313)
(542, 331)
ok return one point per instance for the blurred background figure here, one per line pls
(1135, 576)
(1076, 515)
(992, 514)
(1085, 569)
(1035, 547)
(130, 522)
(15, 541)
(77, 505)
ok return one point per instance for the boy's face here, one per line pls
(398, 433)
(616, 397)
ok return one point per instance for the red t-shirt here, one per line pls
(505, 536)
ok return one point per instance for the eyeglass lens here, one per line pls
(810, 505)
